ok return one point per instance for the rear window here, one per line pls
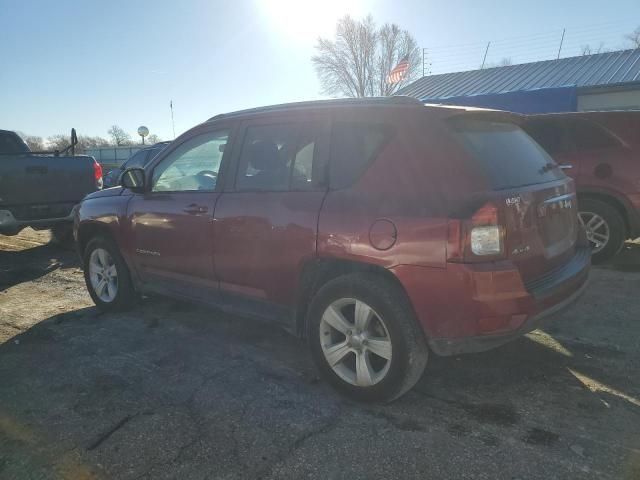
(354, 146)
(10, 143)
(508, 156)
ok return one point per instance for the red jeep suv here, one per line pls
(379, 229)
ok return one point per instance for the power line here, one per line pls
(525, 48)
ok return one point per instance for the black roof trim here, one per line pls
(395, 100)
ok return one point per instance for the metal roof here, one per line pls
(602, 69)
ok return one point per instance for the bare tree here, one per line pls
(395, 45)
(62, 141)
(358, 61)
(35, 143)
(589, 50)
(119, 136)
(153, 138)
(634, 38)
(505, 62)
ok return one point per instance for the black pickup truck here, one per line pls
(40, 189)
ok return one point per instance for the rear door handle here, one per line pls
(566, 167)
(194, 209)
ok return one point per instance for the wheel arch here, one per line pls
(609, 199)
(89, 230)
(318, 272)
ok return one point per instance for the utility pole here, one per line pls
(173, 125)
(561, 42)
(485, 55)
(424, 62)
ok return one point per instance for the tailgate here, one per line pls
(536, 201)
(541, 226)
(32, 180)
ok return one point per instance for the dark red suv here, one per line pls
(378, 229)
(601, 152)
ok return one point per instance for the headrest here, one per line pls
(263, 155)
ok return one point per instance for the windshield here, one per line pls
(508, 156)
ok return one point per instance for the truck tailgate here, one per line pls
(32, 180)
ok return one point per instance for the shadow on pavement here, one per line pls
(32, 263)
(236, 397)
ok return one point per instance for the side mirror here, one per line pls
(133, 179)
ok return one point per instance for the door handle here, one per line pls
(566, 166)
(194, 209)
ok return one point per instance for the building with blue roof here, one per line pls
(603, 81)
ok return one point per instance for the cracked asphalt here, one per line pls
(170, 390)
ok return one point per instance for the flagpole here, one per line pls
(173, 125)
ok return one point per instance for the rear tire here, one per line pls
(612, 232)
(107, 276)
(375, 355)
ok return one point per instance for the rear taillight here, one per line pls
(97, 174)
(478, 239)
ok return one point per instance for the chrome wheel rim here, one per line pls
(596, 228)
(355, 342)
(103, 275)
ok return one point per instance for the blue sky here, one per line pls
(91, 64)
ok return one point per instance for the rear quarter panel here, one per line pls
(399, 187)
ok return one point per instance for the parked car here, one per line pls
(40, 189)
(602, 154)
(138, 159)
(376, 228)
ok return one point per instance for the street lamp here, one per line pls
(143, 132)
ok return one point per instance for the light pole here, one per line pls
(143, 132)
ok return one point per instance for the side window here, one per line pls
(277, 158)
(354, 146)
(193, 166)
(586, 135)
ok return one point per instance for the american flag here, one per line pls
(399, 71)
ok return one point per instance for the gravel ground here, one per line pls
(170, 390)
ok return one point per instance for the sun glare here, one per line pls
(306, 20)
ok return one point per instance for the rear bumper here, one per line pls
(9, 225)
(474, 307)
(481, 343)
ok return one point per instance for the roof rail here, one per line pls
(393, 100)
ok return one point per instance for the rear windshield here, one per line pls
(508, 156)
(10, 143)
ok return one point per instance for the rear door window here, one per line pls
(507, 155)
(279, 157)
(354, 145)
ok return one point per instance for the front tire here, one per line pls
(604, 226)
(107, 275)
(364, 337)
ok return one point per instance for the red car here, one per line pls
(378, 229)
(601, 152)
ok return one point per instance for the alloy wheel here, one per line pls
(103, 275)
(596, 228)
(355, 342)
